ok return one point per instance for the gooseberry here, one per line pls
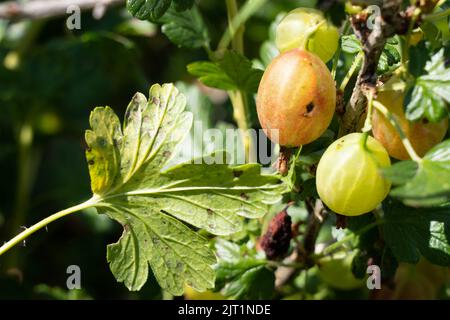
(307, 29)
(422, 134)
(296, 98)
(348, 178)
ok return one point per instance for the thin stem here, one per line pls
(351, 71)
(338, 244)
(20, 10)
(363, 141)
(405, 46)
(238, 20)
(240, 112)
(345, 30)
(368, 122)
(239, 98)
(408, 146)
(236, 32)
(41, 224)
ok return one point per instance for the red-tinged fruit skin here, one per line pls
(422, 134)
(297, 97)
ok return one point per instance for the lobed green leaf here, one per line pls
(411, 232)
(426, 183)
(431, 92)
(232, 72)
(153, 204)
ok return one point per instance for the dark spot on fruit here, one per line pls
(244, 196)
(155, 240)
(237, 173)
(309, 108)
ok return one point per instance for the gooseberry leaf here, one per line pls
(431, 92)
(350, 44)
(418, 56)
(181, 5)
(155, 9)
(233, 72)
(426, 183)
(241, 274)
(185, 28)
(148, 9)
(411, 232)
(389, 58)
(158, 206)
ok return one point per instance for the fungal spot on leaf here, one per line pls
(425, 121)
(91, 162)
(155, 100)
(167, 154)
(237, 173)
(244, 196)
(209, 211)
(101, 142)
